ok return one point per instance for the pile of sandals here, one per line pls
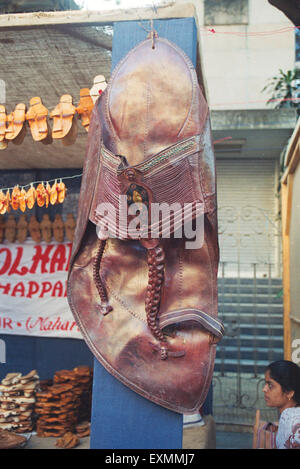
(58, 407)
(64, 402)
(56, 411)
(80, 378)
(17, 401)
(70, 440)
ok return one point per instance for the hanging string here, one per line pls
(144, 28)
(152, 33)
(154, 7)
(213, 31)
(149, 31)
(41, 182)
(205, 31)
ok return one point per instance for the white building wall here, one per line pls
(239, 59)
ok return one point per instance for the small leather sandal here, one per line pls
(37, 119)
(16, 128)
(64, 120)
(85, 107)
(3, 121)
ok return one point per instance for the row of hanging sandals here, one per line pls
(43, 195)
(64, 115)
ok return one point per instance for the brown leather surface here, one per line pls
(152, 103)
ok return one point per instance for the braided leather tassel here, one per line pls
(105, 308)
(156, 263)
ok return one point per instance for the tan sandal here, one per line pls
(70, 225)
(6, 203)
(53, 194)
(3, 121)
(47, 194)
(15, 198)
(11, 229)
(64, 123)
(61, 192)
(16, 130)
(41, 195)
(58, 228)
(34, 229)
(37, 119)
(31, 197)
(22, 228)
(22, 200)
(46, 228)
(85, 107)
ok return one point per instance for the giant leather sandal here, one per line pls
(16, 128)
(3, 121)
(145, 301)
(37, 119)
(85, 107)
(64, 120)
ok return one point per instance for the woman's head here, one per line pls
(282, 384)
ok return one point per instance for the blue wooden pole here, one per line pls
(121, 419)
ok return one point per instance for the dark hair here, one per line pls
(287, 374)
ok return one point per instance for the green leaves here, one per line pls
(283, 88)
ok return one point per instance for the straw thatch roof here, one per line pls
(22, 6)
(49, 62)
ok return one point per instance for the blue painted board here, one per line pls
(128, 34)
(46, 355)
(122, 419)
